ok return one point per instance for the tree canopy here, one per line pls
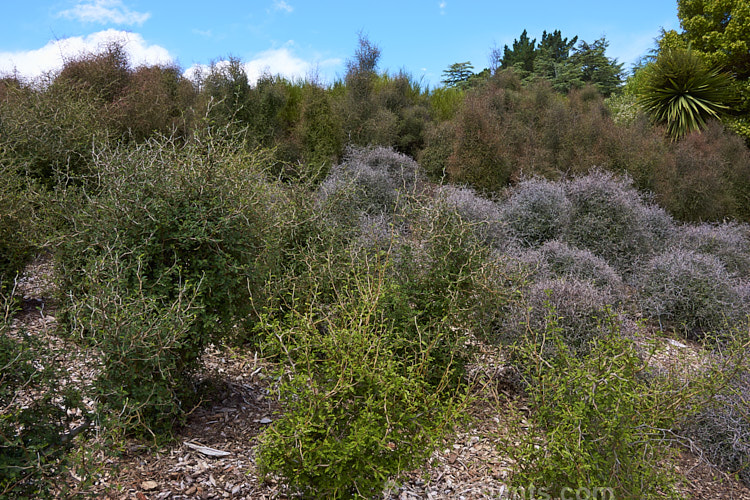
(561, 62)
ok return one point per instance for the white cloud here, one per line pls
(442, 6)
(105, 12)
(33, 63)
(282, 5)
(281, 61)
(203, 33)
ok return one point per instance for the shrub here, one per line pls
(707, 178)
(104, 74)
(317, 131)
(36, 413)
(612, 220)
(556, 259)
(688, 291)
(729, 242)
(536, 211)
(358, 407)
(593, 421)
(579, 307)
(722, 429)
(481, 214)
(433, 158)
(148, 348)
(157, 220)
(370, 181)
(17, 245)
(48, 131)
(157, 100)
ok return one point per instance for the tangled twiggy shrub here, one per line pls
(369, 181)
(707, 178)
(160, 218)
(148, 350)
(16, 227)
(48, 131)
(688, 291)
(594, 421)
(536, 211)
(481, 214)
(36, 413)
(722, 428)
(579, 308)
(357, 411)
(729, 242)
(557, 259)
(612, 220)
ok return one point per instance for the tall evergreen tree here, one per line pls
(521, 55)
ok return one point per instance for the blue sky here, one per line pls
(298, 38)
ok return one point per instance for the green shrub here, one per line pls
(156, 220)
(48, 131)
(36, 414)
(357, 411)
(17, 241)
(148, 349)
(689, 292)
(593, 421)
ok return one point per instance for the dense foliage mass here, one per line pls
(366, 237)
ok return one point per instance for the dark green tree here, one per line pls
(522, 54)
(458, 74)
(595, 68)
(552, 61)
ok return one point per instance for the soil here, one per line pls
(214, 454)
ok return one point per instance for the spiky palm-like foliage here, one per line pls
(681, 91)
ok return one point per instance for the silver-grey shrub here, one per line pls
(481, 214)
(613, 220)
(576, 306)
(369, 181)
(729, 242)
(536, 211)
(557, 259)
(688, 291)
(722, 428)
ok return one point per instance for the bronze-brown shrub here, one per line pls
(708, 178)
